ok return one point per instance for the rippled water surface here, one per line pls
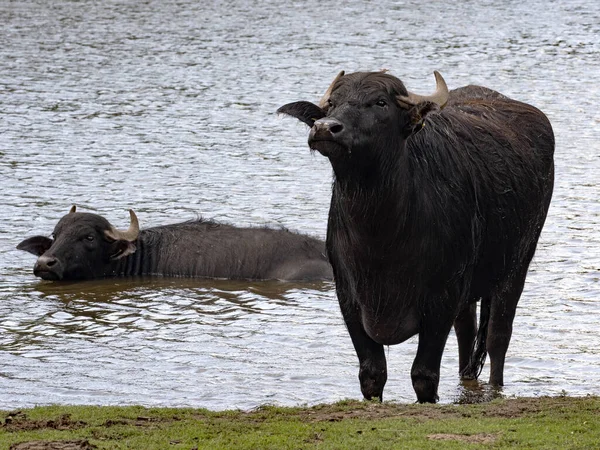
(168, 107)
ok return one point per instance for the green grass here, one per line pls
(545, 423)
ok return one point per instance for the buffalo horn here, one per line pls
(73, 209)
(130, 235)
(325, 98)
(440, 96)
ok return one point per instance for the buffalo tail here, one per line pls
(479, 352)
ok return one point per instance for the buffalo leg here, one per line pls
(371, 356)
(502, 314)
(425, 372)
(465, 326)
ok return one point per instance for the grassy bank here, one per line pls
(549, 423)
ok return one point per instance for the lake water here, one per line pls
(169, 108)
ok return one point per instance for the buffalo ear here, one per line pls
(122, 248)
(306, 112)
(417, 115)
(36, 245)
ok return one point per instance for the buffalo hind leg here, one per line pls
(465, 327)
(502, 313)
(425, 372)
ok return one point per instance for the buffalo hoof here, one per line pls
(426, 388)
(372, 382)
(376, 398)
(371, 391)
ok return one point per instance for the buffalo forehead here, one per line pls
(375, 81)
(362, 86)
(81, 223)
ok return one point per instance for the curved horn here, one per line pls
(325, 98)
(130, 235)
(440, 96)
(73, 209)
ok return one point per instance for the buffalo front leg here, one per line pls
(371, 356)
(425, 372)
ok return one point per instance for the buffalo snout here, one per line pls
(327, 136)
(48, 267)
(326, 128)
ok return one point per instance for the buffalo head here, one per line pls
(365, 112)
(83, 246)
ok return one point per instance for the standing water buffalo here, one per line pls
(86, 246)
(438, 201)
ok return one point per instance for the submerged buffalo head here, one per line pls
(83, 246)
(364, 112)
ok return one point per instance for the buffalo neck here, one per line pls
(144, 261)
(385, 210)
(374, 191)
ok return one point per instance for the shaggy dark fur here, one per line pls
(200, 248)
(431, 211)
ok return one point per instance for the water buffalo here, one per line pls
(86, 246)
(438, 202)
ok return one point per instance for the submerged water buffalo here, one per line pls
(438, 201)
(86, 246)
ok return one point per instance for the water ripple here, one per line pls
(110, 106)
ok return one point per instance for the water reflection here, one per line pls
(135, 304)
(114, 289)
(474, 391)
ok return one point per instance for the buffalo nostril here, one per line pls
(336, 128)
(328, 125)
(51, 262)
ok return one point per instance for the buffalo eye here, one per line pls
(89, 238)
(381, 103)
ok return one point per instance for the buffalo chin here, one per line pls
(47, 275)
(328, 148)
